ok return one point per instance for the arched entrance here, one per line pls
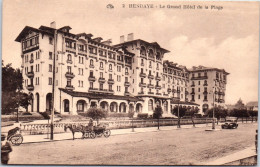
(81, 105)
(37, 102)
(66, 105)
(131, 108)
(122, 107)
(104, 105)
(158, 103)
(113, 107)
(49, 102)
(138, 108)
(150, 105)
(165, 106)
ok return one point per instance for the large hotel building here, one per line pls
(129, 76)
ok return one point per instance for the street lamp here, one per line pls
(179, 121)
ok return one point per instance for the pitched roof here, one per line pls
(27, 29)
(99, 95)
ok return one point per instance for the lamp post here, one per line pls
(179, 121)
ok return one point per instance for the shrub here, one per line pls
(142, 115)
(45, 115)
(26, 113)
(118, 115)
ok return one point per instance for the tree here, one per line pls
(239, 113)
(182, 111)
(96, 113)
(12, 86)
(191, 112)
(219, 112)
(157, 113)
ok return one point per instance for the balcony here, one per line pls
(102, 80)
(205, 84)
(199, 78)
(169, 90)
(192, 93)
(127, 94)
(91, 78)
(158, 87)
(30, 74)
(150, 86)
(192, 100)
(205, 92)
(150, 76)
(91, 66)
(205, 100)
(69, 87)
(159, 94)
(142, 84)
(31, 61)
(110, 81)
(192, 85)
(143, 75)
(158, 78)
(140, 93)
(69, 61)
(174, 90)
(150, 93)
(186, 92)
(69, 75)
(127, 84)
(30, 87)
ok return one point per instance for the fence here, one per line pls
(33, 129)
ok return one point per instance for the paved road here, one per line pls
(193, 146)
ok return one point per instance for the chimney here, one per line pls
(130, 37)
(122, 39)
(53, 25)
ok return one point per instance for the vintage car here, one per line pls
(230, 123)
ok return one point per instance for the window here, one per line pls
(31, 56)
(142, 80)
(205, 83)
(110, 76)
(91, 62)
(126, 89)
(69, 69)
(119, 68)
(50, 81)
(142, 62)
(110, 87)
(205, 97)
(91, 74)
(50, 55)
(101, 74)
(50, 68)
(193, 90)
(198, 96)
(126, 71)
(205, 74)
(110, 67)
(91, 85)
(157, 66)
(118, 78)
(150, 105)
(126, 79)
(37, 67)
(51, 40)
(69, 57)
(81, 59)
(199, 83)
(101, 65)
(142, 70)
(192, 98)
(80, 71)
(80, 83)
(37, 81)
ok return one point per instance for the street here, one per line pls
(192, 146)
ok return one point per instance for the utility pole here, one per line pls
(53, 81)
(213, 123)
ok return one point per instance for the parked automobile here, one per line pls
(230, 123)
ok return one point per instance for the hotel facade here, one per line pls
(131, 76)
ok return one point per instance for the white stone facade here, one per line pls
(130, 76)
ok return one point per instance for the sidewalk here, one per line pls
(68, 135)
(248, 152)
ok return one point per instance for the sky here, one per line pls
(226, 38)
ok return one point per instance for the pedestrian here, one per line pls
(5, 149)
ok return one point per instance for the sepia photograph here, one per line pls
(129, 82)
